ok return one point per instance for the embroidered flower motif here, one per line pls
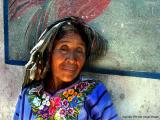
(70, 111)
(65, 93)
(75, 93)
(45, 115)
(55, 102)
(79, 95)
(74, 102)
(36, 90)
(83, 86)
(65, 105)
(45, 100)
(52, 110)
(62, 112)
(36, 101)
(45, 96)
(45, 109)
(70, 98)
(44, 112)
(41, 107)
(70, 91)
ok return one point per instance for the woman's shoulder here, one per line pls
(91, 86)
(98, 87)
(33, 87)
(96, 82)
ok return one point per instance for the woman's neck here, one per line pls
(54, 85)
(57, 84)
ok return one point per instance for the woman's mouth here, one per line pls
(70, 68)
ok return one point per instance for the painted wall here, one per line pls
(130, 26)
(134, 98)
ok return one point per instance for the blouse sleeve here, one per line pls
(17, 111)
(100, 105)
(20, 106)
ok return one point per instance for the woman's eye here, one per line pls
(80, 50)
(64, 48)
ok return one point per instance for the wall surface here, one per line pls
(134, 98)
(130, 26)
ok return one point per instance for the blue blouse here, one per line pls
(84, 100)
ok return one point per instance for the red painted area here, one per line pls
(19, 7)
(86, 9)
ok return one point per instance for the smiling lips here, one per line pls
(70, 67)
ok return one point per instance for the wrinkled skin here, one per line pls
(68, 58)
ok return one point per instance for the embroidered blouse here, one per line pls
(84, 100)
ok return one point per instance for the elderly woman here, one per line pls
(54, 88)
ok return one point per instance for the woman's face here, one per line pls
(68, 58)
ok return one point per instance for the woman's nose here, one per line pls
(71, 57)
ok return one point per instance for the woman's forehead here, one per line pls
(72, 38)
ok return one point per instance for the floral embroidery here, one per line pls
(74, 102)
(62, 112)
(63, 105)
(55, 103)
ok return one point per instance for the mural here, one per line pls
(131, 28)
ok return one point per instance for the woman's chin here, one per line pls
(67, 79)
(69, 75)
